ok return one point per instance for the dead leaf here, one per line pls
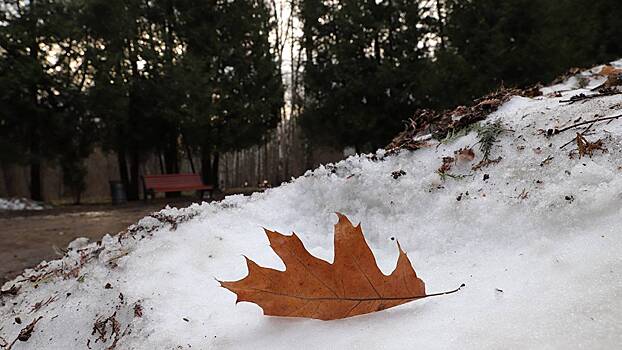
(465, 154)
(446, 166)
(485, 162)
(614, 78)
(586, 147)
(533, 91)
(138, 310)
(610, 70)
(313, 288)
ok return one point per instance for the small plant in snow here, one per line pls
(488, 135)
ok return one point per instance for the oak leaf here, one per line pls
(311, 287)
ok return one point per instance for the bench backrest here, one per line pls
(172, 181)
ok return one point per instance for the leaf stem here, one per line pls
(442, 293)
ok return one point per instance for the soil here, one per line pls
(27, 237)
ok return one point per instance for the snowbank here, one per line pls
(535, 237)
(20, 204)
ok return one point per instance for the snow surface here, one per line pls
(537, 244)
(20, 204)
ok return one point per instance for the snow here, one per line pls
(20, 204)
(536, 243)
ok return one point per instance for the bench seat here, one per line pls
(174, 183)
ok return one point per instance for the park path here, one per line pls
(28, 237)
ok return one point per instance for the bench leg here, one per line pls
(149, 193)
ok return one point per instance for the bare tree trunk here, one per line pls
(35, 142)
(35, 180)
(162, 170)
(133, 190)
(210, 162)
(206, 165)
(123, 172)
(215, 166)
(9, 182)
(441, 23)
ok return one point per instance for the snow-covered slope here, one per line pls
(536, 238)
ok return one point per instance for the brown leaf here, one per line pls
(138, 310)
(446, 165)
(465, 154)
(313, 288)
(586, 147)
(610, 70)
(486, 162)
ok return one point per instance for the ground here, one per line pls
(29, 236)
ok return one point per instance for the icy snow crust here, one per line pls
(542, 269)
(20, 204)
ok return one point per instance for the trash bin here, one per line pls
(117, 192)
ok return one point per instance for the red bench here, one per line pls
(174, 183)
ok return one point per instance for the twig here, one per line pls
(25, 333)
(557, 131)
(582, 134)
(583, 97)
(42, 303)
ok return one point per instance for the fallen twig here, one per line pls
(582, 97)
(25, 333)
(557, 131)
(582, 134)
(11, 291)
(37, 306)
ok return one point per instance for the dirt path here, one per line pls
(28, 237)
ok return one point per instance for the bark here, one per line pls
(9, 180)
(171, 158)
(133, 188)
(441, 24)
(35, 180)
(206, 165)
(35, 146)
(210, 162)
(171, 162)
(123, 171)
(162, 171)
(215, 165)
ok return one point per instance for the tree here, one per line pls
(363, 61)
(134, 93)
(234, 90)
(43, 73)
(521, 42)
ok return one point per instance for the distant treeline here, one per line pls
(134, 77)
(205, 77)
(371, 64)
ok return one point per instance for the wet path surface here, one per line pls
(28, 237)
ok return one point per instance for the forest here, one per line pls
(142, 77)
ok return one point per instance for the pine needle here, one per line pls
(488, 135)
